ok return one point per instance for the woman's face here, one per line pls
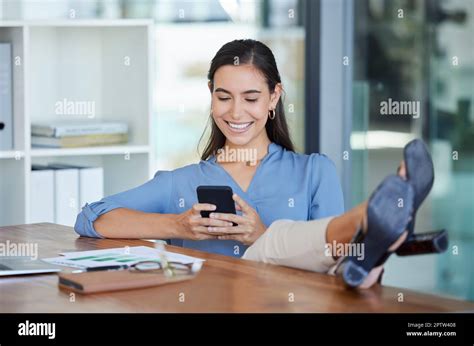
(241, 101)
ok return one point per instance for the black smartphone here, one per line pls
(220, 196)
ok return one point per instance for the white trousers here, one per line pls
(297, 244)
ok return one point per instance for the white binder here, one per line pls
(66, 194)
(41, 194)
(91, 185)
(86, 185)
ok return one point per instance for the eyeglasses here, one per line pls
(164, 266)
(169, 269)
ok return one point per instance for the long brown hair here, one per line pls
(260, 56)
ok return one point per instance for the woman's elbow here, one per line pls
(84, 227)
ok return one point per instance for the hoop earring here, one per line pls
(271, 114)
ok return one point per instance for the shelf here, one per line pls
(106, 63)
(11, 154)
(106, 66)
(105, 150)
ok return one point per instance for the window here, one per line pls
(422, 52)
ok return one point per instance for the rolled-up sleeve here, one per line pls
(327, 198)
(152, 197)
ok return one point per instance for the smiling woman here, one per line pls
(247, 117)
(246, 91)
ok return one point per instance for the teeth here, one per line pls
(239, 126)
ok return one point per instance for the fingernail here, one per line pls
(213, 207)
(212, 215)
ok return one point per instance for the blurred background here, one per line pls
(339, 59)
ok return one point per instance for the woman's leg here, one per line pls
(299, 244)
(306, 244)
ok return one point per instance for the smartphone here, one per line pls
(220, 196)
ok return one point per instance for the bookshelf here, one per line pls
(107, 63)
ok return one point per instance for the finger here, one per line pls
(203, 206)
(202, 233)
(237, 207)
(227, 230)
(243, 205)
(205, 221)
(238, 219)
(212, 231)
(200, 229)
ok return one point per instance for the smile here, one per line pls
(239, 127)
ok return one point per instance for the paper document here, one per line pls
(117, 256)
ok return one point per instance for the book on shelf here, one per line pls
(79, 141)
(6, 97)
(65, 129)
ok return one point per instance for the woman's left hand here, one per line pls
(249, 226)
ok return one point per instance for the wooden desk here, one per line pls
(224, 284)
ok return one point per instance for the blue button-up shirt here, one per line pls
(286, 185)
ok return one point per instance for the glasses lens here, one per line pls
(144, 266)
(179, 266)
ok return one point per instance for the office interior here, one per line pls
(339, 59)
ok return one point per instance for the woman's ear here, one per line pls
(275, 96)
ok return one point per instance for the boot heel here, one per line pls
(425, 243)
(353, 274)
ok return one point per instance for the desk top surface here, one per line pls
(225, 284)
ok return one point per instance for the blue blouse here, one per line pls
(286, 185)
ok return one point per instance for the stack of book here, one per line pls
(82, 134)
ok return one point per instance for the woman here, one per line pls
(247, 116)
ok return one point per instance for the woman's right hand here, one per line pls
(195, 227)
